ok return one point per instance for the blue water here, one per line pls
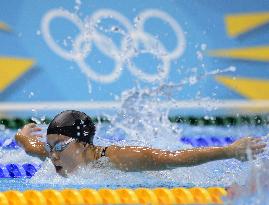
(103, 174)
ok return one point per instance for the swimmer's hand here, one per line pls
(29, 130)
(29, 140)
(246, 148)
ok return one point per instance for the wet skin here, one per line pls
(132, 158)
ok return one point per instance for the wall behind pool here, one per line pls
(51, 54)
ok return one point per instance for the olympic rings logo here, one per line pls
(122, 54)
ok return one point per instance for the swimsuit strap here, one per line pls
(103, 153)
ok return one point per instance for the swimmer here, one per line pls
(69, 145)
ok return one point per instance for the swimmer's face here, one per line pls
(67, 160)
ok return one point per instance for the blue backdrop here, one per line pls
(92, 51)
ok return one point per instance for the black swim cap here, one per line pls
(74, 124)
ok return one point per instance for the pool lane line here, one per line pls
(178, 195)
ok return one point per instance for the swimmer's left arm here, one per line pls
(143, 158)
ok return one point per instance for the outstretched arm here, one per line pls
(143, 158)
(32, 146)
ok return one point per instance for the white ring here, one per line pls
(45, 28)
(181, 42)
(104, 43)
(89, 71)
(163, 72)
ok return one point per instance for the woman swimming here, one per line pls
(70, 145)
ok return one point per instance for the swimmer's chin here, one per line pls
(64, 172)
(61, 171)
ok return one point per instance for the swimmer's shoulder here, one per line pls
(108, 151)
(113, 150)
(104, 151)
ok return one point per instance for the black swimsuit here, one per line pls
(103, 153)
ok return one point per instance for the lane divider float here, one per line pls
(206, 141)
(195, 195)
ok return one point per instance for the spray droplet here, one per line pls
(193, 80)
(203, 46)
(31, 94)
(232, 68)
(199, 55)
(36, 120)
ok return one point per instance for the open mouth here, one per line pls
(58, 168)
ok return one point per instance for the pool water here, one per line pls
(102, 173)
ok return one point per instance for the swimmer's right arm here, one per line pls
(30, 143)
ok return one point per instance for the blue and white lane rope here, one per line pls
(14, 170)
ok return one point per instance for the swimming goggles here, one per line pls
(58, 147)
